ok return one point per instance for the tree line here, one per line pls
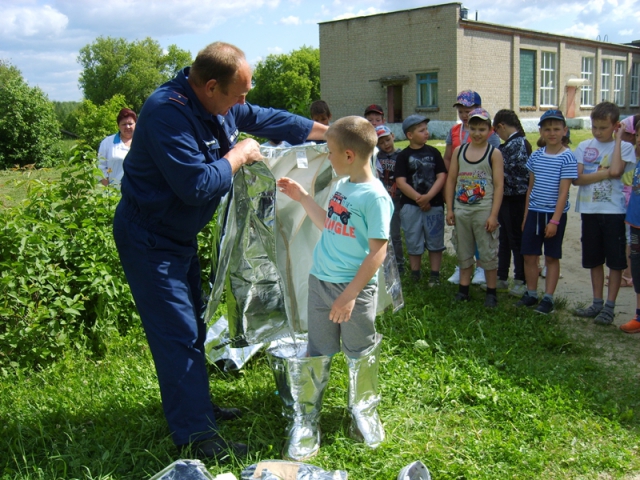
(117, 73)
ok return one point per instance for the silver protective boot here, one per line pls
(364, 398)
(301, 382)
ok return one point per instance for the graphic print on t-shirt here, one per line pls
(602, 190)
(471, 187)
(338, 208)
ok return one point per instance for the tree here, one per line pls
(29, 130)
(133, 69)
(288, 81)
(95, 122)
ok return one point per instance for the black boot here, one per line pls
(225, 414)
(215, 448)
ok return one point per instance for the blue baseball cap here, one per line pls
(479, 113)
(468, 98)
(551, 115)
(383, 131)
(412, 120)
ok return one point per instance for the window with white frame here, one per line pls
(548, 79)
(586, 92)
(634, 99)
(620, 71)
(427, 89)
(605, 81)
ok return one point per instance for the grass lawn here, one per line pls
(474, 394)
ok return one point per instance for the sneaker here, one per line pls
(461, 297)
(518, 289)
(527, 301)
(478, 277)
(433, 281)
(455, 278)
(605, 317)
(589, 312)
(545, 307)
(416, 275)
(632, 326)
(491, 301)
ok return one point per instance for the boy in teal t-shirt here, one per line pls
(342, 281)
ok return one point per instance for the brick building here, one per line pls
(417, 60)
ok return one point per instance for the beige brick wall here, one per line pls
(356, 53)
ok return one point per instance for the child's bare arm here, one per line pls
(497, 169)
(450, 186)
(552, 228)
(294, 190)
(438, 185)
(407, 189)
(343, 305)
(617, 165)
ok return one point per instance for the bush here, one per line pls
(29, 130)
(60, 277)
(94, 123)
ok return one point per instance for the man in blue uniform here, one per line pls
(180, 165)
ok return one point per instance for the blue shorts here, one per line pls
(422, 229)
(533, 235)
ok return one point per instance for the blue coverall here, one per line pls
(174, 177)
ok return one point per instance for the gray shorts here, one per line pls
(422, 229)
(470, 233)
(358, 334)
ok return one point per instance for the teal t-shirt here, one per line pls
(356, 213)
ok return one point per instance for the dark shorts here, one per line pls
(604, 240)
(533, 235)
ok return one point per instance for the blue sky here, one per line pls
(42, 37)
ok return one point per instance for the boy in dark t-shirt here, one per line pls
(386, 165)
(420, 176)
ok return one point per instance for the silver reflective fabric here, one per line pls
(184, 470)
(414, 471)
(264, 251)
(363, 396)
(301, 382)
(233, 358)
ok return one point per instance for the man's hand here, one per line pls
(243, 152)
(291, 188)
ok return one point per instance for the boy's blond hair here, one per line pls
(354, 133)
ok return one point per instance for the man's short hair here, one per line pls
(218, 61)
(354, 133)
(606, 111)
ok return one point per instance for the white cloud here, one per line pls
(32, 21)
(626, 33)
(583, 31)
(275, 50)
(290, 20)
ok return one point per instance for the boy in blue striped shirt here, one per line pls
(552, 168)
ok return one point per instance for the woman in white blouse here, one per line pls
(115, 147)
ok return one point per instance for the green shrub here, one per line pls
(93, 123)
(61, 282)
(29, 130)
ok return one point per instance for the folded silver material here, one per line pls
(301, 382)
(363, 396)
(263, 251)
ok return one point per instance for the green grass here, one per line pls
(474, 394)
(471, 393)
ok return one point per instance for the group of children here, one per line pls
(502, 200)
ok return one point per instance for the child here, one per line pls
(515, 152)
(633, 220)
(475, 182)
(551, 170)
(342, 281)
(374, 114)
(466, 101)
(601, 204)
(320, 112)
(420, 176)
(386, 164)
